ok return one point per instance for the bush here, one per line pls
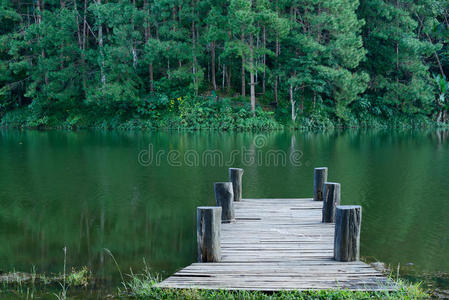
(199, 112)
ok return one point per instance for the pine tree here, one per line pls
(311, 56)
(322, 52)
(394, 61)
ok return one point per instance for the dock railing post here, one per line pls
(208, 233)
(224, 195)
(319, 178)
(235, 176)
(330, 201)
(348, 220)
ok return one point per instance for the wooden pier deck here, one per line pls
(278, 244)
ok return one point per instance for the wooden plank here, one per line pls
(278, 244)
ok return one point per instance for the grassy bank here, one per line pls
(159, 112)
(20, 285)
(77, 284)
(143, 287)
(406, 293)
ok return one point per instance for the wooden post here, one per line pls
(330, 201)
(319, 178)
(235, 176)
(224, 195)
(208, 233)
(348, 219)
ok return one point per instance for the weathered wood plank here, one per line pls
(224, 196)
(348, 220)
(319, 178)
(235, 176)
(278, 244)
(208, 233)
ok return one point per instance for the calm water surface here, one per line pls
(89, 191)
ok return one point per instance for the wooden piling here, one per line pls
(319, 178)
(208, 233)
(278, 244)
(224, 195)
(348, 219)
(235, 176)
(330, 201)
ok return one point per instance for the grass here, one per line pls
(143, 287)
(35, 285)
(74, 278)
(28, 285)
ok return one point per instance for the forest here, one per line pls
(223, 64)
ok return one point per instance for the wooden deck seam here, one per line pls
(278, 244)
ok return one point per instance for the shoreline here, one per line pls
(122, 128)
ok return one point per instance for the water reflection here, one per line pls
(87, 191)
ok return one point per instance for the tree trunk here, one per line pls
(84, 24)
(251, 73)
(40, 6)
(438, 118)
(255, 60)
(397, 59)
(78, 29)
(193, 49)
(229, 69)
(133, 42)
(83, 51)
(292, 102)
(100, 44)
(147, 38)
(228, 78)
(214, 84)
(80, 46)
(168, 69)
(224, 73)
(151, 78)
(264, 59)
(243, 92)
(39, 15)
(276, 79)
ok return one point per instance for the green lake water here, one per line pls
(135, 194)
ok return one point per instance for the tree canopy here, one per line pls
(137, 58)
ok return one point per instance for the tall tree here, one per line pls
(395, 55)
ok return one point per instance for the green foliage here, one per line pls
(78, 277)
(153, 106)
(200, 113)
(395, 54)
(443, 90)
(118, 63)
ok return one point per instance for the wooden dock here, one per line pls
(278, 244)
